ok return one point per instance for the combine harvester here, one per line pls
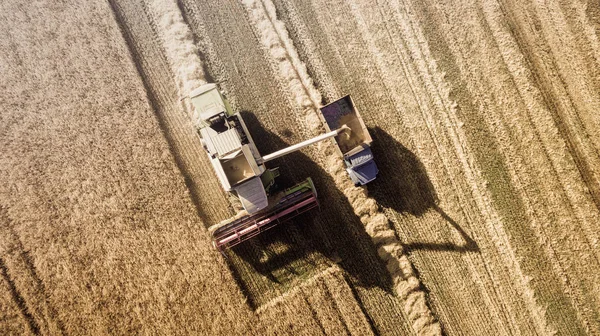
(242, 171)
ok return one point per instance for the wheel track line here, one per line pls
(15, 313)
(353, 316)
(568, 147)
(325, 309)
(18, 299)
(562, 106)
(563, 217)
(577, 82)
(537, 212)
(543, 127)
(555, 28)
(482, 198)
(40, 315)
(527, 92)
(518, 174)
(377, 225)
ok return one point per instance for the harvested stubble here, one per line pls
(326, 299)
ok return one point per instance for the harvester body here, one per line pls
(241, 169)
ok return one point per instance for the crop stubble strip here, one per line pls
(576, 58)
(482, 198)
(579, 200)
(274, 38)
(419, 52)
(566, 178)
(520, 175)
(554, 89)
(514, 211)
(510, 140)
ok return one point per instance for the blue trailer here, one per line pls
(354, 146)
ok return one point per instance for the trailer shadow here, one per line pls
(404, 186)
(333, 231)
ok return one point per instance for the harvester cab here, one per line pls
(241, 169)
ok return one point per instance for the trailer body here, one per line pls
(353, 146)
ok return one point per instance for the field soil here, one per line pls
(484, 219)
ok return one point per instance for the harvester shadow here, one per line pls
(333, 231)
(405, 187)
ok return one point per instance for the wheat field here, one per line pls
(484, 219)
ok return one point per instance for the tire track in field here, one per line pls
(582, 90)
(18, 299)
(329, 301)
(275, 39)
(553, 87)
(13, 321)
(514, 130)
(580, 79)
(515, 122)
(585, 157)
(563, 166)
(26, 287)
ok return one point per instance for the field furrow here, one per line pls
(26, 287)
(16, 319)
